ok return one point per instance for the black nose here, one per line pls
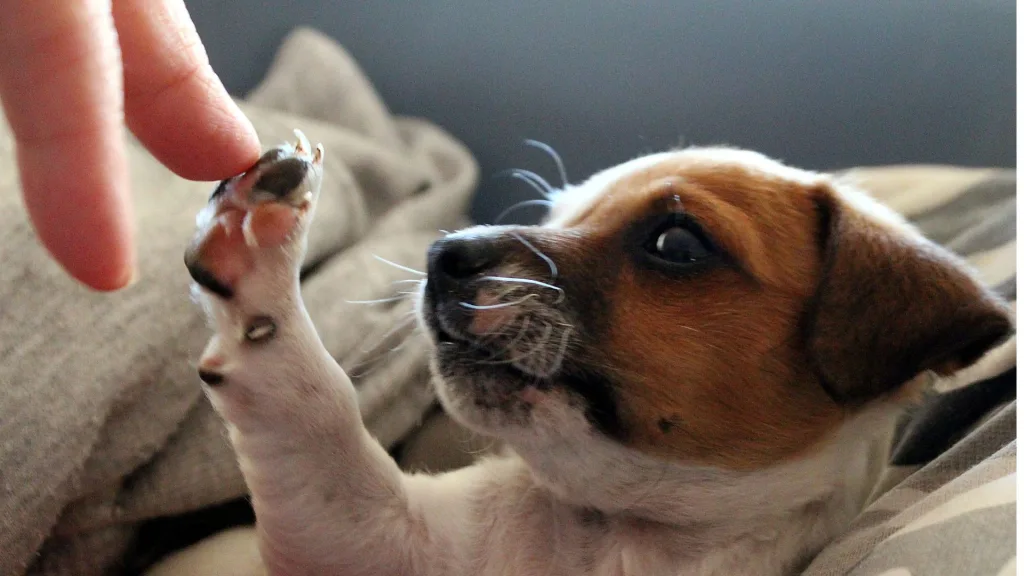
(460, 258)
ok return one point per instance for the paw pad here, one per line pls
(265, 207)
(210, 377)
(260, 328)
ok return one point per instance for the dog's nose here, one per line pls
(454, 259)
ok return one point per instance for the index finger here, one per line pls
(60, 87)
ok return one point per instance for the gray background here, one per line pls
(821, 84)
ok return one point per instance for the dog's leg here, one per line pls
(328, 498)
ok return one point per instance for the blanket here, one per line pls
(102, 420)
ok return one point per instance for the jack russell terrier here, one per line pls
(695, 361)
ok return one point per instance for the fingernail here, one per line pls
(133, 278)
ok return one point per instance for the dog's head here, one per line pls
(706, 306)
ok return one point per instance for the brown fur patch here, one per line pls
(890, 307)
(730, 353)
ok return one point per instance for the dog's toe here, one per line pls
(207, 279)
(265, 207)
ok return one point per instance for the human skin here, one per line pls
(73, 74)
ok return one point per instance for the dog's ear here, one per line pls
(891, 305)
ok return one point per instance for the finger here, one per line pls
(60, 85)
(174, 102)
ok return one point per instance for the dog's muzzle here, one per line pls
(457, 268)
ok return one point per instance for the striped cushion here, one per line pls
(948, 506)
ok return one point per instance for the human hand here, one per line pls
(62, 90)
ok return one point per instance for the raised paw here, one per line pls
(259, 215)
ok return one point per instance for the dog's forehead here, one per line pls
(642, 175)
(574, 203)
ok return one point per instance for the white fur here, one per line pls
(329, 499)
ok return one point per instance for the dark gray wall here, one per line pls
(821, 84)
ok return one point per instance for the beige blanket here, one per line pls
(102, 420)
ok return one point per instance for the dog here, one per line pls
(696, 360)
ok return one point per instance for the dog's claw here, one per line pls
(259, 209)
(302, 143)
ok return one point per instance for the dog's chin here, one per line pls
(501, 385)
(478, 386)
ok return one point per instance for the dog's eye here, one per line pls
(679, 245)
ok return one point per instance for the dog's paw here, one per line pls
(246, 257)
(255, 224)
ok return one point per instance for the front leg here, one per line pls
(328, 498)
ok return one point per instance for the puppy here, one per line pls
(696, 361)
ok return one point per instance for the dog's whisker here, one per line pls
(496, 306)
(500, 331)
(541, 342)
(521, 280)
(511, 344)
(399, 266)
(402, 296)
(523, 204)
(540, 188)
(407, 322)
(541, 255)
(500, 297)
(534, 180)
(522, 332)
(405, 341)
(539, 346)
(549, 190)
(562, 348)
(507, 291)
(561, 293)
(398, 327)
(554, 156)
(491, 443)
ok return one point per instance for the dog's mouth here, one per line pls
(444, 337)
(443, 321)
(513, 331)
(506, 371)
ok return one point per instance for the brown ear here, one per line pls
(889, 307)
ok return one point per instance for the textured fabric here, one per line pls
(955, 515)
(102, 419)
